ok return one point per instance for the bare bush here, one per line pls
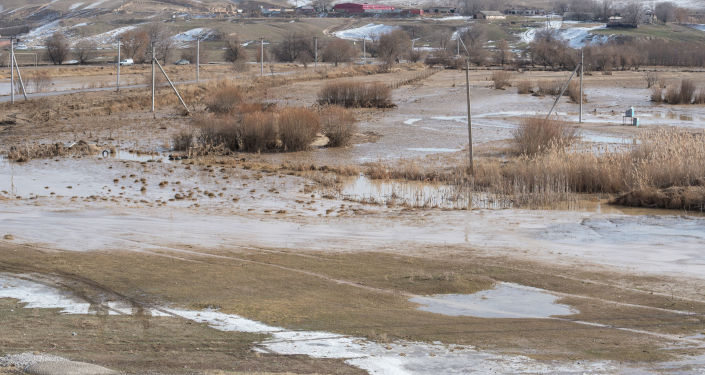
(552, 88)
(356, 94)
(234, 52)
(224, 98)
(183, 140)
(257, 132)
(680, 94)
(573, 92)
(524, 87)
(39, 80)
(538, 135)
(338, 125)
(393, 46)
(338, 51)
(135, 44)
(57, 48)
(85, 51)
(651, 78)
(297, 128)
(700, 97)
(656, 94)
(501, 79)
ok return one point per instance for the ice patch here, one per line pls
(370, 32)
(697, 27)
(38, 296)
(506, 300)
(75, 6)
(411, 121)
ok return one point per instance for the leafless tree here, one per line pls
(393, 46)
(503, 55)
(85, 50)
(633, 13)
(135, 44)
(665, 12)
(161, 38)
(234, 50)
(338, 51)
(190, 54)
(57, 48)
(294, 47)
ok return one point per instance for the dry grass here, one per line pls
(525, 87)
(182, 141)
(500, 79)
(537, 135)
(338, 125)
(356, 94)
(545, 87)
(23, 153)
(656, 94)
(224, 98)
(257, 132)
(700, 97)
(297, 128)
(680, 94)
(573, 92)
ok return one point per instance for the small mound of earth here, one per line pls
(67, 368)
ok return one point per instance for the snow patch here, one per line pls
(95, 4)
(75, 6)
(370, 32)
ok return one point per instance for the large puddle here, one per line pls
(506, 300)
(398, 357)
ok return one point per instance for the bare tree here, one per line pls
(633, 13)
(605, 10)
(161, 38)
(393, 46)
(338, 51)
(190, 54)
(135, 44)
(294, 47)
(665, 12)
(503, 55)
(57, 48)
(234, 50)
(474, 40)
(85, 50)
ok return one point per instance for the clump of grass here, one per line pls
(573, 92)
(338, 125)
(700, 97)
(297, 128)
(656, 94)
(40, 80)
(545, 87)
(257, 132)
(680, 94)
(183, 140)
(356, 94)
(224, 98)
(537, 135)
(524, 87)
(500, 79)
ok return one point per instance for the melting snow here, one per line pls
(370, 32)
(96, 4)
(577, 37)
(74, 6)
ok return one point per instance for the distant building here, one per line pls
(354, 8)
(441, 10)
(489, 15)
(527, 12)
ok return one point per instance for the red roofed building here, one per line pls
(353, 8)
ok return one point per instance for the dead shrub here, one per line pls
(651, 79)
(218, 131)
(573, 92)
(297, 128)
(545, 87)
(700, 97)
(536, 135)
(356, 94)
(338, 125)
(224, 98)
(656, 94)
(39, 81)
(258, 132)
(680, 94)
(183, 140)
(501, 79)
(524, 87)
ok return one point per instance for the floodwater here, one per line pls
(506, 300)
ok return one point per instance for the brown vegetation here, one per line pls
(545, 87)
(338, 125)
(39, 80)
(537, 135)
(297, 128)
(524, 87)
(500, 79)
(182, 140)
(356, 94)
(224, 99)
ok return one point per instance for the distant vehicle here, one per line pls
(127, 62)
(182, 62)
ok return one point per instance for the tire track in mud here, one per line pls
(14, 268)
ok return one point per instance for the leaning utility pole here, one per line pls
(117, 85)
(261, 57)
(198, 58)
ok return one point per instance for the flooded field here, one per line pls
(377, 257)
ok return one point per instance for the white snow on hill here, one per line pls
(370, 32)
(192, 35)
(577, 36)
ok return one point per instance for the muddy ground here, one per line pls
(259, 237)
